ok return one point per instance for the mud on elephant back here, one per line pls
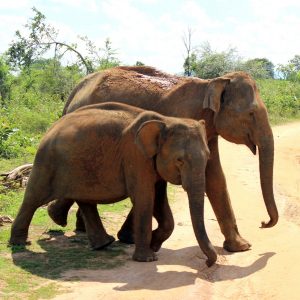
(105, 153)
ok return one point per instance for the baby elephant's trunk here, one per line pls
(196, 203)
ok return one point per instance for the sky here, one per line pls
(151, 31)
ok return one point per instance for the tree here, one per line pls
(5, 79)
(109, 58)
(207, 63)
(139, 63)
(187, 42)
(295, 61)
(258, 67)
(41, 37)
(47, 78)
(289, 71)
(106, 60)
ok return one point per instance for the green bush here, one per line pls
(35, 116)
(13, 142)
(282, 98)
(24, 119)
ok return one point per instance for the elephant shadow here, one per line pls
(69, 258)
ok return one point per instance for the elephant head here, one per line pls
(180, 151)
(241, 117)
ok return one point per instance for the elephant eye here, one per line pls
(179, 162)
(252, 116)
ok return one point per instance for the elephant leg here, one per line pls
(58, 211)
(126, 233)
(80, 225)
(143, 208)
(217, 193)
(163, 214)
(20, 226)
(96, 232)
(33, 199)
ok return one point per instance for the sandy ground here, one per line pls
(270, 270)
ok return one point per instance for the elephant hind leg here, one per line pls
(38, 193)
(80, 225)
(96, 232)
(20, 226)
(126, 233)
(58, 211)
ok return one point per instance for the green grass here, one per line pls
(7, 165)
(30, 272)
(34, 271)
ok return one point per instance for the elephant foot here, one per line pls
(237, 245)
(59, 216)
(159, 235)
(156, 241)
(155, 246)
(100, 243)
(144, 255)
(125, 237)
(18, 240)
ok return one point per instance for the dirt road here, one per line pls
(270, 270)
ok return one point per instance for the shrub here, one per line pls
(13, 142)
(282, 98)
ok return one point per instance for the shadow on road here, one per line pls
(69, 258)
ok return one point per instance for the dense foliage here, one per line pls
(282, 98)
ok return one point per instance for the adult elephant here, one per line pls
(231, 107)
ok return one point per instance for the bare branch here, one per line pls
(187, 42)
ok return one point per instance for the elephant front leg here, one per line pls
(96, 232)
(163, 214)
(143, 208)
(217, 193)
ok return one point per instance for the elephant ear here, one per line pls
(214, 92)
(148, 137)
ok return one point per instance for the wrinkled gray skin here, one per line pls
(231, 107)
(106, 152)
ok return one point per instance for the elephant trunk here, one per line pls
(266, 162)
(195, 193)
(265, 143)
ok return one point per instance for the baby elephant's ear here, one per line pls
(148, 137)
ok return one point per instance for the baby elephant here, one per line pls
(107, 152)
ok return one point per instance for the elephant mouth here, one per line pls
(250, 144)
